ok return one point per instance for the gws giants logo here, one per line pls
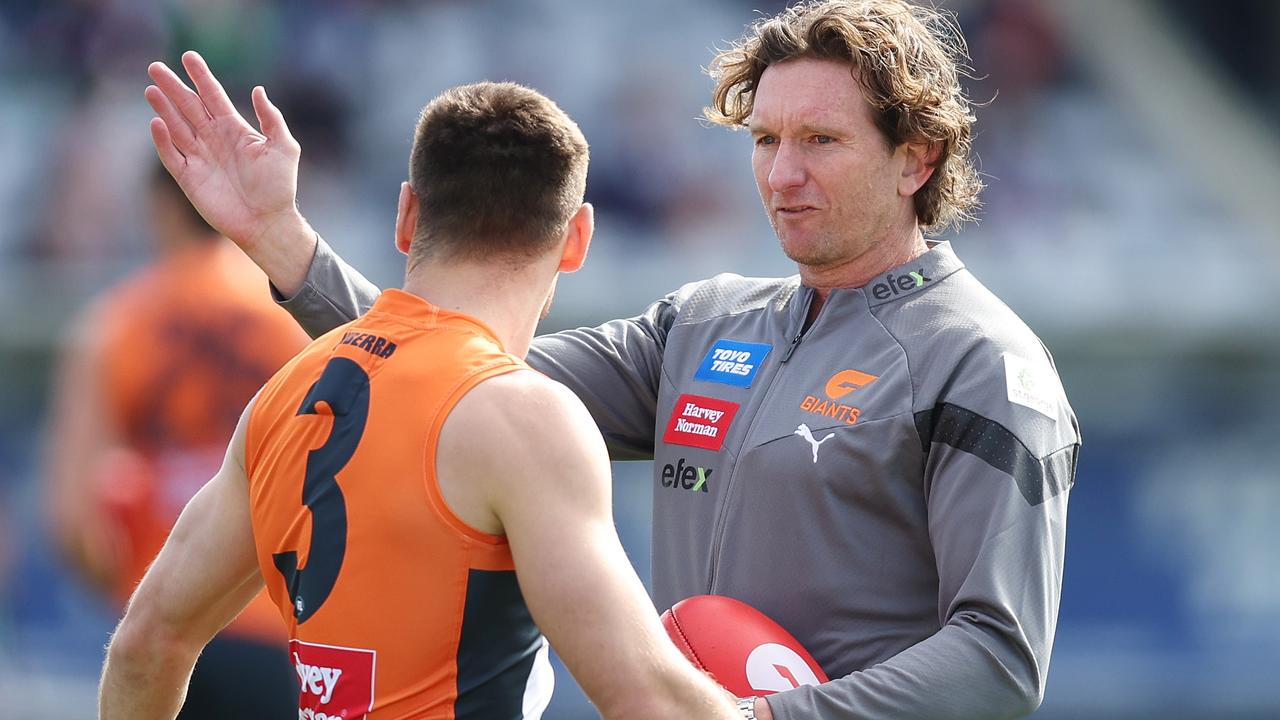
(335, 683)
(775, 668)
(840, 384)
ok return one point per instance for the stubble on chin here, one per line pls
(814, 251)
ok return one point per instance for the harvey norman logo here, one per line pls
(897, 284)
(334, 683)
(700, 422)
(316, 680)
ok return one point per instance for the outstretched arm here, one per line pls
(204, 576)
(243, 181)
(548, 489)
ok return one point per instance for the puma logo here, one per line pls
(803, 431)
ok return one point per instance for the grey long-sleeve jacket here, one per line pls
(890, 485)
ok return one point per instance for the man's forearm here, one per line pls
(283, 249)
(967, 671)
(144, 679)
(330, 293)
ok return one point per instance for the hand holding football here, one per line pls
(744, 650)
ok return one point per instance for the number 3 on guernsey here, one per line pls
(345, 387)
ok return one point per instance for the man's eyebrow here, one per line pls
(810, 128)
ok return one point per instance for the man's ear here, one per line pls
(577, 238)
(921, 160)
(407, 209)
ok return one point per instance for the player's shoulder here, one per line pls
(281, 392)
(522, 426)
(135, 293)
(970, 354)
(159, 285)
(107, 327)
(523, 407)
(955, 319)
(732, 294)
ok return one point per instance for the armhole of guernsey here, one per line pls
(259, 421)
(431, 481)
(250, 434)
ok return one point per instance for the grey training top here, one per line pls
(890, 486)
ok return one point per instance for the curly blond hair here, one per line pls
(907, 58)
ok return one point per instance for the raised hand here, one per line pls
(243, 181)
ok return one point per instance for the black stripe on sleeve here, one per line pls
(497, 649)
(1038, 480)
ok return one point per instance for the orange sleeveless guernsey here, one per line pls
(395, 607)
(186, 342)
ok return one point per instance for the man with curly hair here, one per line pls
(876, 452)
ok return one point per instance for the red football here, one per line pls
(740, 647)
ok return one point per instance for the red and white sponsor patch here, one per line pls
(336, 683)
(700, 422)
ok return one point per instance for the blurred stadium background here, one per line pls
(1133, 158)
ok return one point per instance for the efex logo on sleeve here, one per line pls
(732, 362)
(700, 422)
(893, 285)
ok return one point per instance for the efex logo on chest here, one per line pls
(686, 477)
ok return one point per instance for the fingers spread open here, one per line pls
(182, 97)
(215, 98)
(172, 159)
(270, 119)
(178, 129)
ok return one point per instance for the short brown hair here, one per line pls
(498, 168)
(908, 60)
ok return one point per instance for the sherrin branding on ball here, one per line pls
(741, 647)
